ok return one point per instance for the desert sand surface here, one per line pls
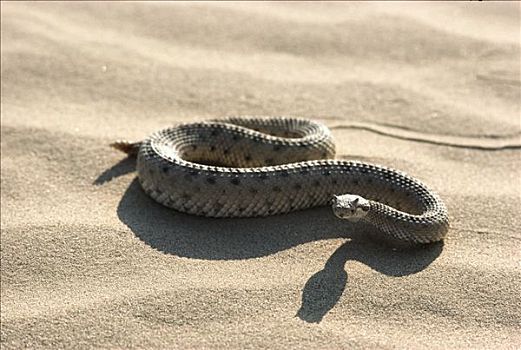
(88, 260)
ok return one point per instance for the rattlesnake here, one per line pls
(260, 166)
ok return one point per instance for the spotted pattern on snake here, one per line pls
(260, 166)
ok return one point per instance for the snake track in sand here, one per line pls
(260, 166)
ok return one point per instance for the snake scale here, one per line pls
(259, 166)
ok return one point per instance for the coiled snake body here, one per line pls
(260, 166)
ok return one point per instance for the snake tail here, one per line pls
(130, 148)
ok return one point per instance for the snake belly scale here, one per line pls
(260, 166)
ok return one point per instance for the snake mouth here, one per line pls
(341, 213)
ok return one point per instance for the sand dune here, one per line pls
(88, 260)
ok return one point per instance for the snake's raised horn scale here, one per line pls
(260, 166)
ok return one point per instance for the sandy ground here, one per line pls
(88, 260)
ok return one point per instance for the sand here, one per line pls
(88, 260)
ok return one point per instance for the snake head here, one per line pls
(350, 207)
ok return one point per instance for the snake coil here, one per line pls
(260, 166)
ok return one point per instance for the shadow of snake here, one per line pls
(179, 234)
(324, 289)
